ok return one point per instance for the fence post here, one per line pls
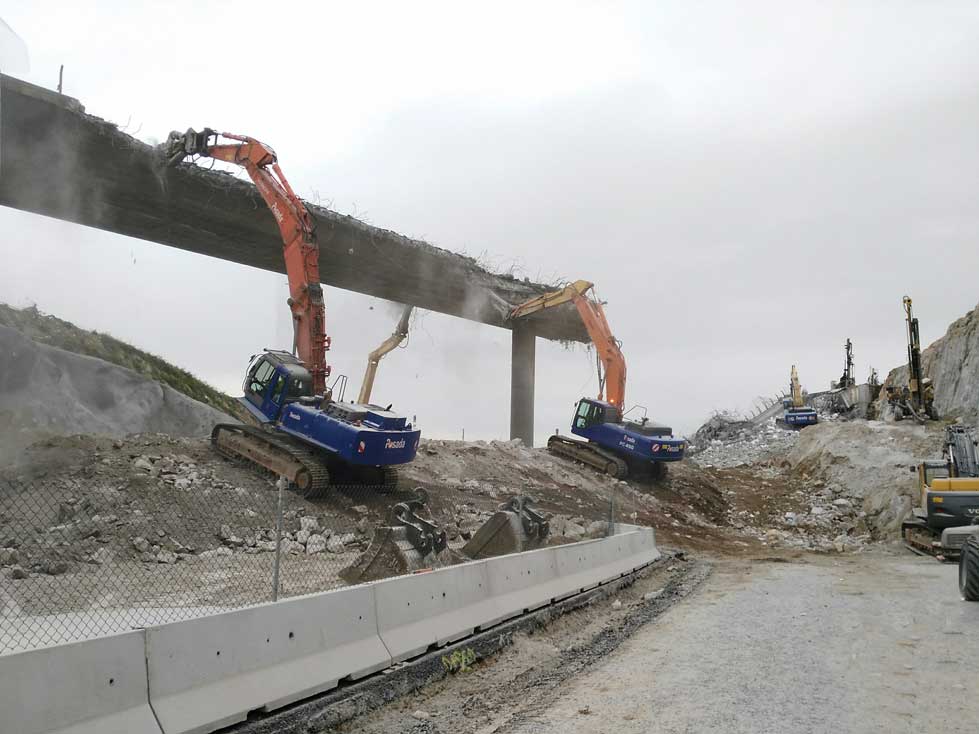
(279, 485)
(610, 530)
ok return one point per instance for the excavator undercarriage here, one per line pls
(309, 472)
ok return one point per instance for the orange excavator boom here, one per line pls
(612, 388)
(299, 246)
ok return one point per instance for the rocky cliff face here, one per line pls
(952, 363)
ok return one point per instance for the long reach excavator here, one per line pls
(302, 434)
(612, 444)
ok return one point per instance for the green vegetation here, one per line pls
(56, 332)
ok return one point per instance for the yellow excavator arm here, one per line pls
(549, 300)
(797, 399)
(374, 358)
(593, 316)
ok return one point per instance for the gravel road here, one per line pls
(868, 643)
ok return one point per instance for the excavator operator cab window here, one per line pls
(300, 386)
(935, 472)
(258, 379)
(279, 389)
(588, 414)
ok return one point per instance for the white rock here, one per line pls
(315, 544)
(303, 536)
(597, 528)
(216, 552)
(166, 556)
(573, 530)
(9, 557)
(141, 544)
(616, 604)
(100, 556)
(652, 594)
(143, 463)
(335, 545)
(421, 715)
(309, 524)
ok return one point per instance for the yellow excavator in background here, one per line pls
(374, 358)
(796, 414)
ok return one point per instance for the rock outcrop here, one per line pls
(866, 464)
(952, 363)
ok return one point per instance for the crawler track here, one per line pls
(587, 453)
(277, 455)
(922, 541)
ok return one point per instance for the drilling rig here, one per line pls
(916, 399)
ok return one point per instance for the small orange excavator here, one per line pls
(612, 444)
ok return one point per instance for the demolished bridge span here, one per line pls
(60, 162)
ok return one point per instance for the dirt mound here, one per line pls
(862, 467)
(685, 508)
(45, 390)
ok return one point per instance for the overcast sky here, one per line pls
(748, 183)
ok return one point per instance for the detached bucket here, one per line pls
(514, 528)
(411, 543)
(390, 553)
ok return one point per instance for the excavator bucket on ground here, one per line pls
(410, 543)
(514, 528)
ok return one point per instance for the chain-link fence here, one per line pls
(119, 536)
(87, 555)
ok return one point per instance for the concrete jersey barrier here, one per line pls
(199, 675)
(91, 687)
(210, 672)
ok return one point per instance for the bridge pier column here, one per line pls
(523, 357)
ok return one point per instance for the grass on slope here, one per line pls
(56, 332)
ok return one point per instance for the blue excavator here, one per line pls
(300, 431)
(796, 414)
(611, 444)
